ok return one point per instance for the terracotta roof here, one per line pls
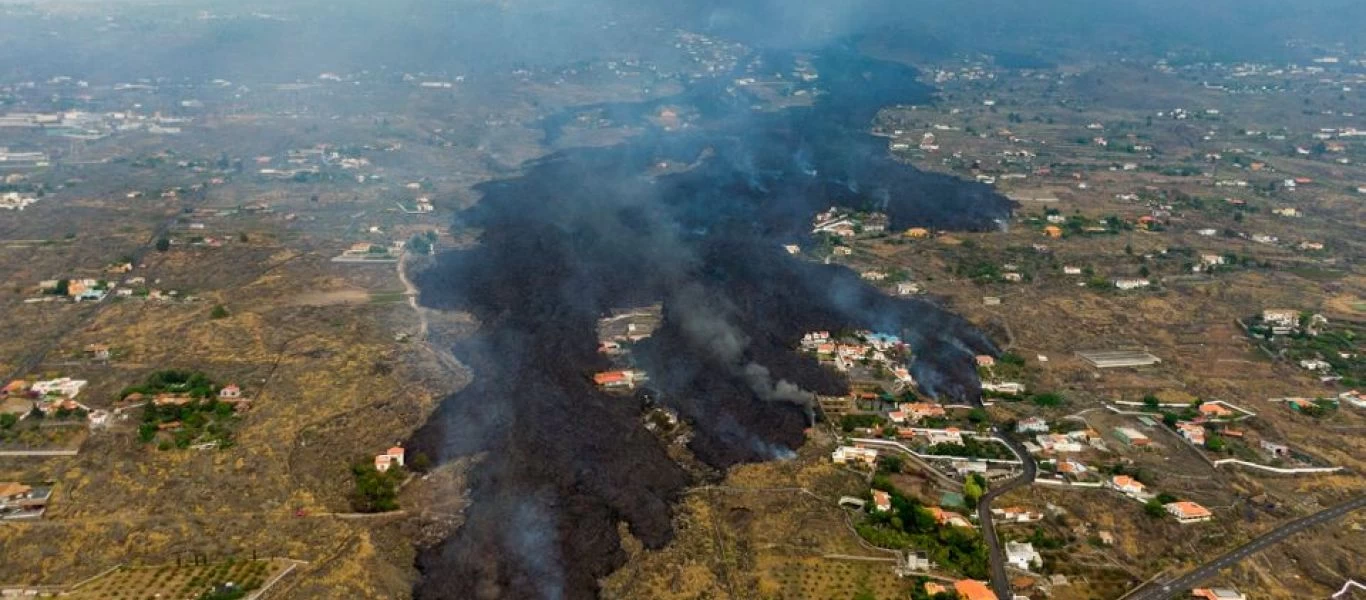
(1126, 481)
(11, 488)
(1210, 408)
(609, 377)
(1190, 510)
(971, 589)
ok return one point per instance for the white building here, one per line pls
(1006, 387)
(1022, 555)
(1126, 485)
(1058, 442)
(1132, 284)
(1188, 512)
(848, 454)
(65, 387)
(1032, 425)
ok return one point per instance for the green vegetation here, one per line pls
(1215, 443)
(1048, 399)
(1151, 402)
(375, 491)
(971, 448)
(890, 463)
(1337, 343)
(848, 423)
(218, 312)
(174, 381)
(910, 525)
(1317, 409)
(973, 489)
(190, 413)
(1154, 508)
(163, 245)
(422, 243)
(8, 420)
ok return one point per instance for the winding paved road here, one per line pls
(1164, 589)
(1000, 581)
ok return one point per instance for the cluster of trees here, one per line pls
(1338, 347)
(973, 489)
(422, 244)
(848, 423)
(203, 418)
(910, 525)
(375, 491)
(971, 448)
(177, 381)
(1156, 507)
(200, 420)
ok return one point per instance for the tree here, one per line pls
(63, 287)
(972, 492)
(1150, 401)
(146, 432)
(218, 312)
(375, 491)
(1170, 419)
(1215, 443)
(420, 462)
(1048, 399)
(978, 415)
(890, 463)
(7, 420)
(163, 245)
(1154, 508)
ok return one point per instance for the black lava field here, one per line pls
(584, 231)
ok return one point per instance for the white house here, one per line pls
(1022, 555)
(385, 461)
(1016, 514)
(1126, 485)
(1132, 283)
(1312, 365)
(847, 454)
(1058, 443)
(1005, 387)
(65, 387)
(1188, 512)
(1032, 425)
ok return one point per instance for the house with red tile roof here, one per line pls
(882, 501)
(971, 589)
(1126, 485)
(952, 519)
(1188, 512)
(390, 458)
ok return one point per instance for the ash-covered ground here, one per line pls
(588, 230)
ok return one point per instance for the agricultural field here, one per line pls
(232, 580)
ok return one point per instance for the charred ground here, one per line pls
(586, 230)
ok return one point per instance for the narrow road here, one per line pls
(1164, 589)
(1000, 581)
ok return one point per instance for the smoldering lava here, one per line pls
(587, 230)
